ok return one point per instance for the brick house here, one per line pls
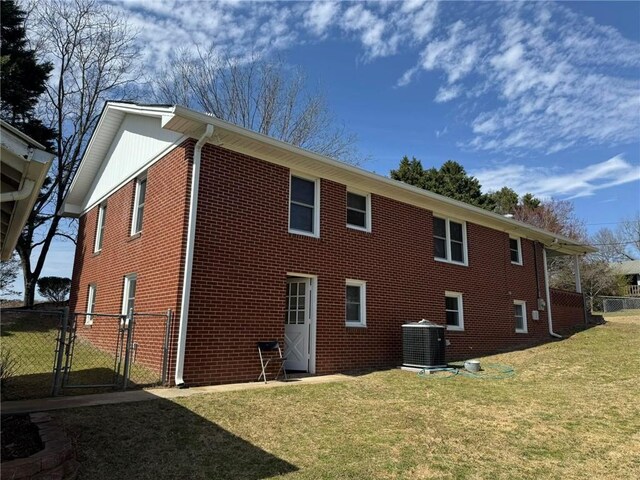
(247, 238)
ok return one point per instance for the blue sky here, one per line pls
(541, 97)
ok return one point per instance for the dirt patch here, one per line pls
(20, 437)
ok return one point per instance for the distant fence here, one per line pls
(619, 304)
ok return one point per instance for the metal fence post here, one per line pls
(127, 352)
(57, 369)
(165, 348)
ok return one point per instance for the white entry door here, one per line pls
(296, 324)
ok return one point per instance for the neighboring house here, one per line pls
(281, 243)
(631, 271)
(25, 164)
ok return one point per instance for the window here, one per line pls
(91, 303)
(304, 215)
(138, 206)
(129, 293)
(356, 312)
(515, 248)
(520, 314)
(449, 240)
(102, 216)
(453, 310)
(359, 211)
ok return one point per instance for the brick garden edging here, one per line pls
(56, 461)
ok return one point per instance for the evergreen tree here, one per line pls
(450, 180)
(504, 201)
(409, 171)
(22, 78)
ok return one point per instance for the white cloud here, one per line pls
(557, 182)
(447, 93)
(320, 15)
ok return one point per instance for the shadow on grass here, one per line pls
(39, 385)
(160, 439)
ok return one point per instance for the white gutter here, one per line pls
(188, 263)
(548, 293)
(24, 192)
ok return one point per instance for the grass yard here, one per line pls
(28, 340)
(572, 411)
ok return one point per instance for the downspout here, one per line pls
(548, 293)
(24, 192)
(188, 263)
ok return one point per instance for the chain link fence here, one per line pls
(46, 353)
(620, 304)
(28, 342)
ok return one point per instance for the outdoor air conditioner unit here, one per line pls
(423, 345)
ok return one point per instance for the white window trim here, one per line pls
(316, 207)
(519, 250)
(126, 289)
(134, 219)
(458, 296)
(524, 316)
(367, 196)
(363, 303)
(448, 241)
(97, 245)
(91, 302)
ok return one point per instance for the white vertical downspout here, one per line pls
(548, 294)
(188, 262)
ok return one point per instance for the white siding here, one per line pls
(139, 140)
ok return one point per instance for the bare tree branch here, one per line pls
(262, 95)
(92, 49)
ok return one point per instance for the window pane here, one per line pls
(292, 318)
(139, 218)
(519, 323)
(303, 191)
(132, 288)
(356, 201)
(452, 318)
(515, 257)
(517, 310)
(451, 303)
(301, 302)
(456, 252)
(353, 294)
(439, 227)
(142, 191)
(301, 218)
(301, 317)
(513, 244)
(356, 218)
(353, 312)
(456, 231)
(439, 248)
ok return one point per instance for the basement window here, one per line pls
(520, 315)
(356, 311)
(453, 310)
(91, 303)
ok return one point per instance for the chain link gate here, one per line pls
(107, 357)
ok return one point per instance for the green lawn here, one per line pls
(572, 411)
(29, 340)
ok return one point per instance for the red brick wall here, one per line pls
(156, 255)
(567, 310)
(243, 252)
